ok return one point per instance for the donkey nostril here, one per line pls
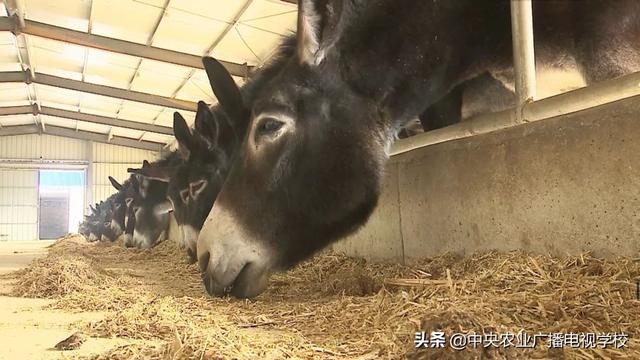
(203, 261)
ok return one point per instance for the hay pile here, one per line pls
(335, 307)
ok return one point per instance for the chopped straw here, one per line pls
(336, 307)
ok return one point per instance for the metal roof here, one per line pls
(116, 70)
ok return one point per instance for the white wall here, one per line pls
(101, 160)
(45, 147)
(18, 204)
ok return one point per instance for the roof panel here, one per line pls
(10, 93)
(126, 19)
(130, 133)
(8, 52)
(56, 105)
(13, 120)
(100, 105)
(58, 121)
(247, 44)
(166, 117)
(55, 55)
(176, 24)
(197, 88)
(139, 112)
(97, 128)
(189, 26)
(159, 78)
(161, 138)
(57, 95)
(274, 16)
(72, 14)
(224, 10)
(110, 69)
(8, 66)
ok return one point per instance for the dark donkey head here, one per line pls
(205, 167)
(151, 207)
(91, 222)
(106, 210)
(118, 207)
(129, 193)
(308, 173)
(194, 184)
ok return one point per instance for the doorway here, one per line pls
(60, 202)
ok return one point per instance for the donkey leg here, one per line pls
(481, 94)
(485, 93)
(446, 111)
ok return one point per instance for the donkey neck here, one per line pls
(407, 56)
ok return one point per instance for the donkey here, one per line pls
(209, 149)
(310, 169)
(194, 183)
(106, 210)
(150, 206)
(97, 225)
(119, 206)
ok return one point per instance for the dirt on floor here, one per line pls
(150, 304)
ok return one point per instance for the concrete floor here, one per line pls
(15, 255)
(28, 329)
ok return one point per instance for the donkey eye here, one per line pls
(269, 125)
(107, 224)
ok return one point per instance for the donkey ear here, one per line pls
(320, 24)
(115, 183)
(145, 164)
(225, 89)
(206, 124)
(183, 135)
(154, 173)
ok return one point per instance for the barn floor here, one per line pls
(150, 304)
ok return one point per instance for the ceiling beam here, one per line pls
(60, 82)
(53, 32)
(102, 138)
(19, 130)
(81, 135)
(16, 110)
(75, 115)
(104, 120)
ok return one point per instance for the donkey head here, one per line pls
(151, 210)
(118, 207)
(196, 183)
(309, 170)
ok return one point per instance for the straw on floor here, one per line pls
(336, 307)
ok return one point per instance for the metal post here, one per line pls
(523, 54)
(89, 177)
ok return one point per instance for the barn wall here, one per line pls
(47, 147)
(563, 185)
(103, 159)
(18, 204)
